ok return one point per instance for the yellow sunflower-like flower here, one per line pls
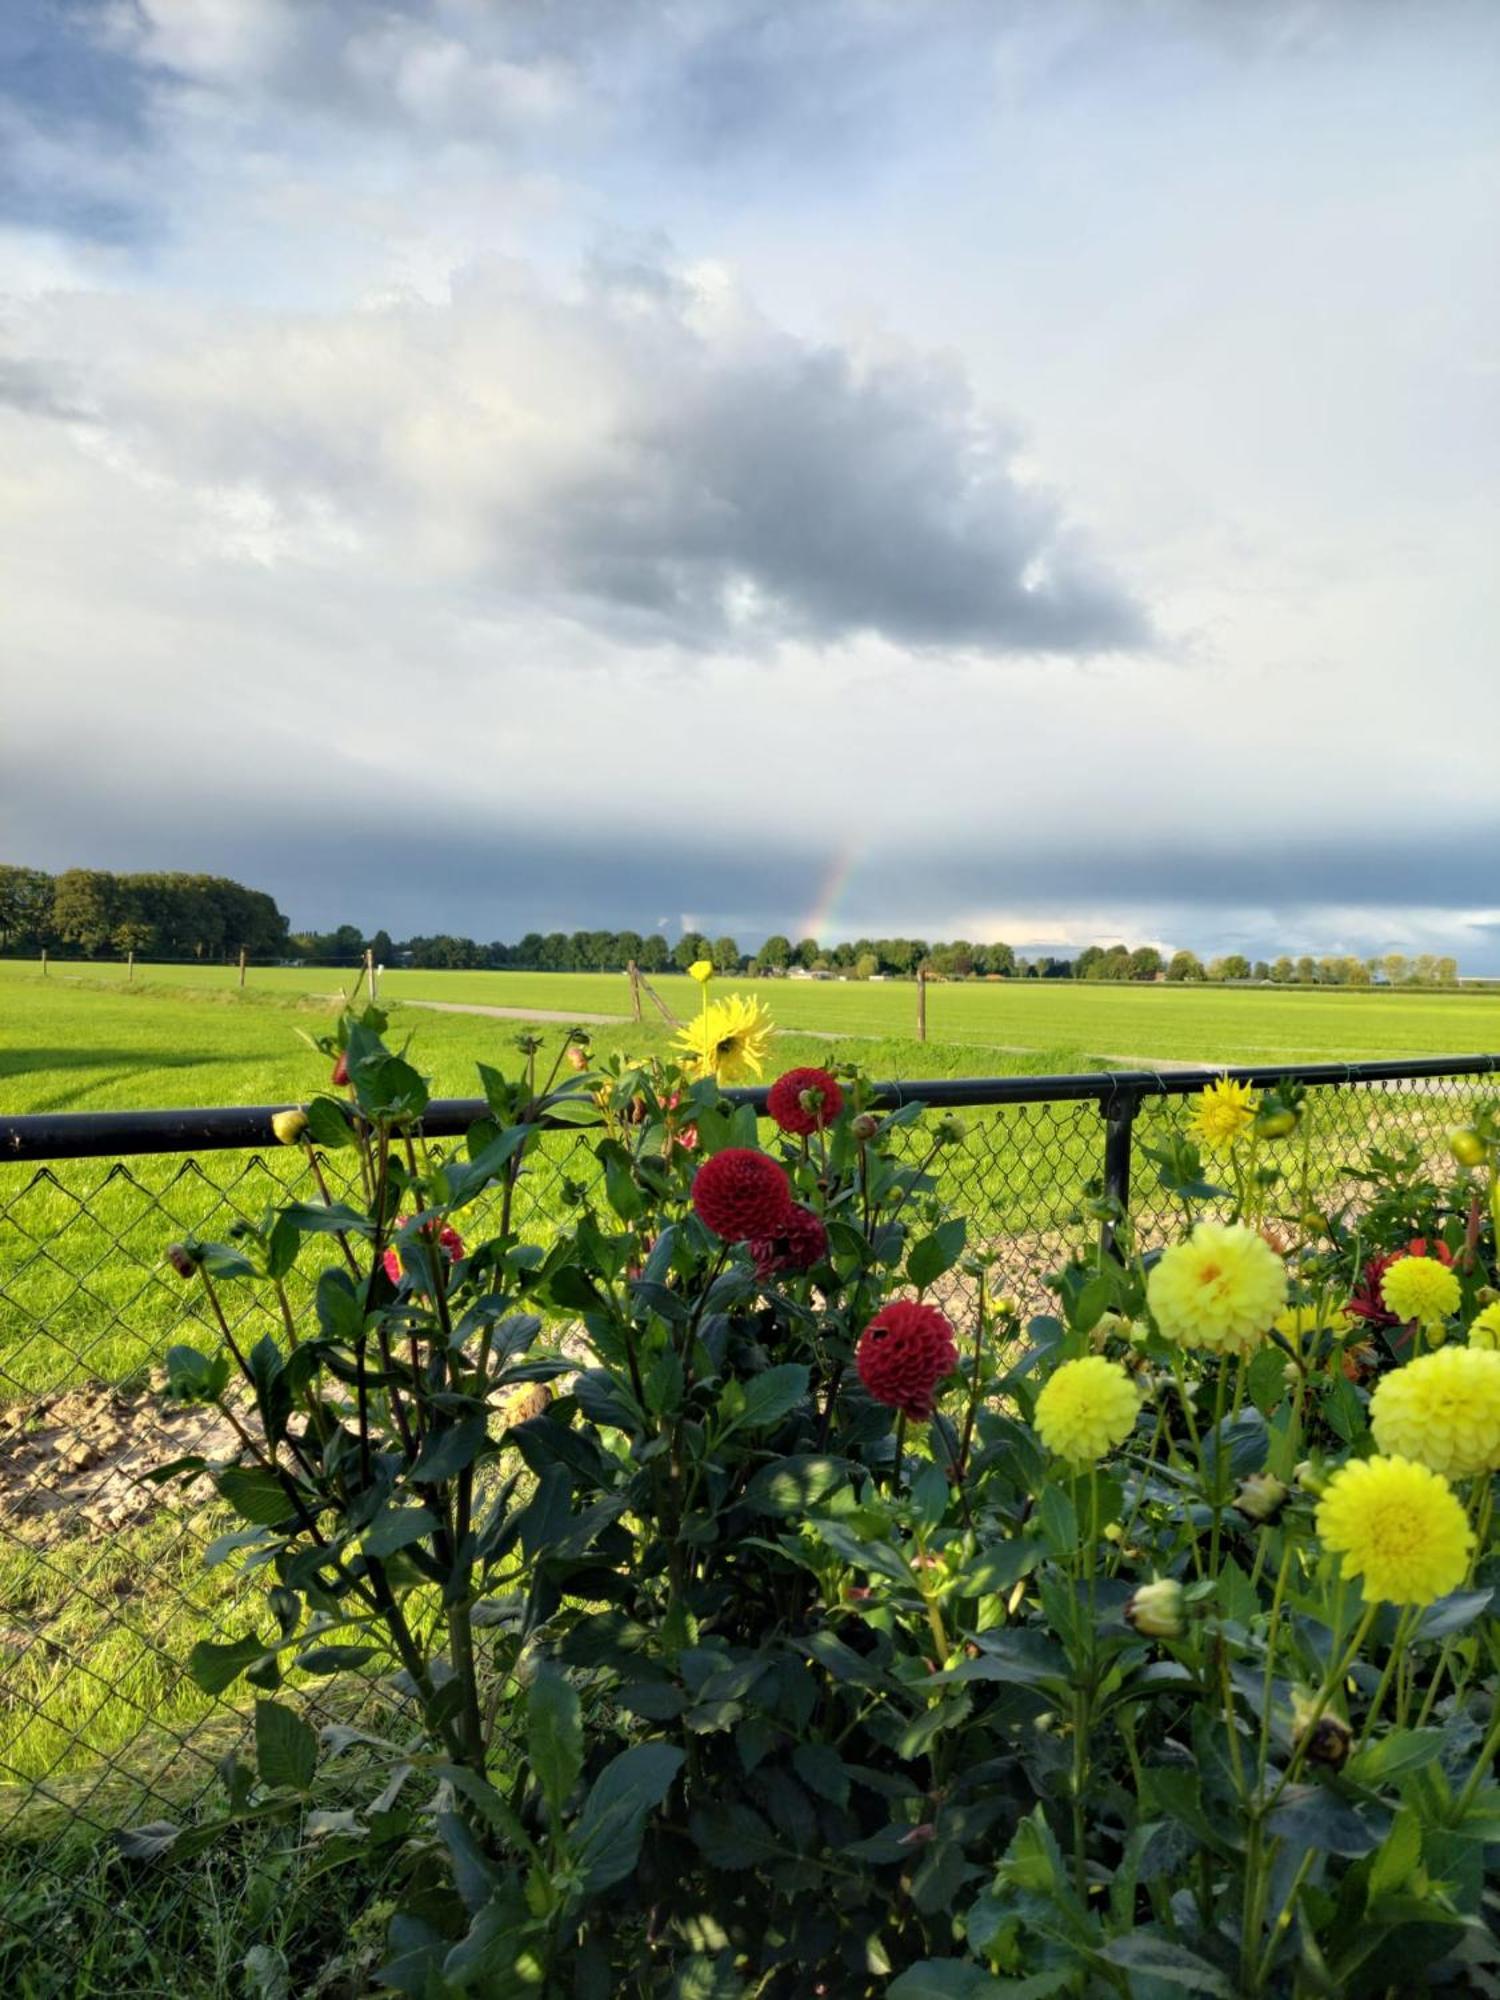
(1223, 1111)
(1420, 1288)
(1443, 1410)
(1086, 1408)
(1221, 1289)
(701, 969)
(1398, 1527)
(730, 1039)
(1485, 1331)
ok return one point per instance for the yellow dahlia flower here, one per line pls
(1485, 1331)
(729, 1040)
(1300, 1323)
(1086, 1408)
(701, 969)
(1420, 1288)
(1221, 1289)
(1223, 1111)
(1398, 1527)
(1443, 1409)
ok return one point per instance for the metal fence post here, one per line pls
(1118, 1111)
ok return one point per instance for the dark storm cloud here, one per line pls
(841, 501)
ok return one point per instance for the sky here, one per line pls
(836, 466)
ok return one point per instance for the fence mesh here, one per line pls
(103, 1584)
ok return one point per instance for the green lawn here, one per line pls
(1040, 1020)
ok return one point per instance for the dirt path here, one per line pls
(520, 1013)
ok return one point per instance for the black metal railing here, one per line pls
(102, 1586)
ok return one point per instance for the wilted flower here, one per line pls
(1323, 1739)
(182, 1260)
(1085, 1409)
(1156, 1609)
(1398, 1527)
(865, 1126)
(448, 1239)
(1219, 1289)
(1443, 1410)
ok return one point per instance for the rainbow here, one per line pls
(835, 881)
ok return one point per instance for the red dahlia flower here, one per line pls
(741, 1193)
(903, 1354)
(1367, 1302)
(448, 1239)
(785, 1101)
(801, 1242)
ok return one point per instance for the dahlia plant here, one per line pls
(760, 1610)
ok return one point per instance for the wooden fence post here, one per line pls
(242, 965)
(634, 973)
(921, 1003)
(370, 972)
(44, 961)
(130, 965)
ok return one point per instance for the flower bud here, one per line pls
(341, 1069)
(1326, 1740)
(1466, 1146)
(289, 1126)
(1279, 1123)
(1261, 1497)
(182, 1260)
(865, 1126)
(1156, 1609)
(578, 1059)
(949, 1130)
(1311, 1478)
(702, 970)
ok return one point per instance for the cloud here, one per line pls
(645, 455)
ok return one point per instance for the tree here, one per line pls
(1262, 970)
(1145, 962)
(999, 958)
(1236, 966)
(775, 955)
(1394, 963)
(726, 955)
(809, 952)
(83, 908)
(689, 948)
(381, 947)
(25, 908)
(654, 954)
(1283, 971)
(630, 946)
(1307, 971)
(866, 965)
(1185, 965)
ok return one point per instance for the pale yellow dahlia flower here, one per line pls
(1220, 1289)
(1086, 1408)
(1443, 1409)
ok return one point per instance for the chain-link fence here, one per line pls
(103, 1580)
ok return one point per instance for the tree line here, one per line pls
(94, 913)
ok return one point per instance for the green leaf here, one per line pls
(730, 1834)
(957, 1979)
(286, 1749)
(1392, 1756)
(607, 1836)
(793, 1485)
(998, 1568)
(338, 1659)
(1452, 1613)
(255, 1492)
(772, 1394)
(341, 1316)
(446, 1453)
(936, 1253)
(328, 1124)
(397, 1528)
(554, 1734)
(1400, 1853)
(195, 1378)
(1151, 1957)
(822, 1770)
(877, 1556)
